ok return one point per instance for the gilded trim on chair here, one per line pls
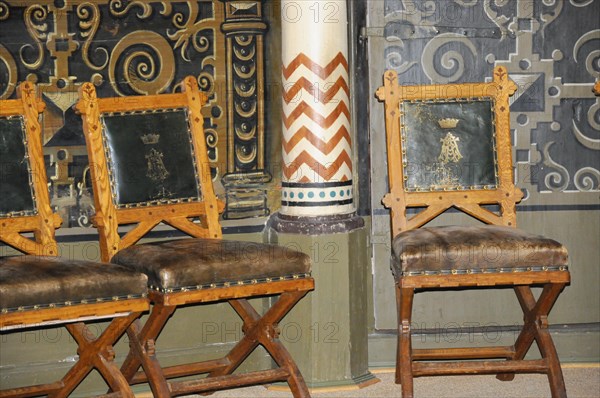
(499, 270)
(231, 283)
(72, 303)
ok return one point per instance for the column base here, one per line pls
(327, 331)
(318, 225)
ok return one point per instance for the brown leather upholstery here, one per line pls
(477, 249)
(28, 282)
(197, 263)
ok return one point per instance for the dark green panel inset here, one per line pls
(151, 158)
(16, 193)
(449, 145)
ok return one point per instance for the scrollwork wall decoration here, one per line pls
(586, 141)
(452, 61)
(212, 139)
(187, 29)
(558, 179)
(206, 82)
(592, 61)
(38, 31)
(147, 68)
(199, 34)
(4, 11)
(587, 179)
(89, 20)
(121, 8)
(593, 115)
(8, 63)
(581, 119)
(548, 16)
(499, 19)
(395, 59)
(581, 3)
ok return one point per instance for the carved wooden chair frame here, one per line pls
(258, 329)
(466, 199)
(471, 200)
(94, 352)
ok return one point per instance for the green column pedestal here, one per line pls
(326, 332)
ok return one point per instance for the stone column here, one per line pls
(317, 148)
(327, 331)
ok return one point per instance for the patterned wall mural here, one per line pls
(551, 49)
(136, 48)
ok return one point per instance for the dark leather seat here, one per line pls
(200, 263)
(36, 282)
(477, 249)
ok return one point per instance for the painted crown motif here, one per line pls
(149, 139)
(448, 123)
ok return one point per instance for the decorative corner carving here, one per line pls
(387, 200)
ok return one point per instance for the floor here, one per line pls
(582, 381)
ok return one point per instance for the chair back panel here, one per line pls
(449, 146)
(154, 165)
(457, 153)
(24, 200)
(149, 164)
(16, 190)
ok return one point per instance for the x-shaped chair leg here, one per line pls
(141, 343)
(536, 328)
(97, 353)
(404, 376)
(257, 330)
(263, 330)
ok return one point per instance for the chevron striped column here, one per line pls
(317, 149)
(317, 215)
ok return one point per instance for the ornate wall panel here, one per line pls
(136, 48)
(551, 49)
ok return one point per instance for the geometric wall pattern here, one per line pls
(552, 52)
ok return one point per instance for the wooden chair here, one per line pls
(40, 289)
(449, 146)
(150, 166)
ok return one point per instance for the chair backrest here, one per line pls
(149, 165)
(449, 146)
(24, 201)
